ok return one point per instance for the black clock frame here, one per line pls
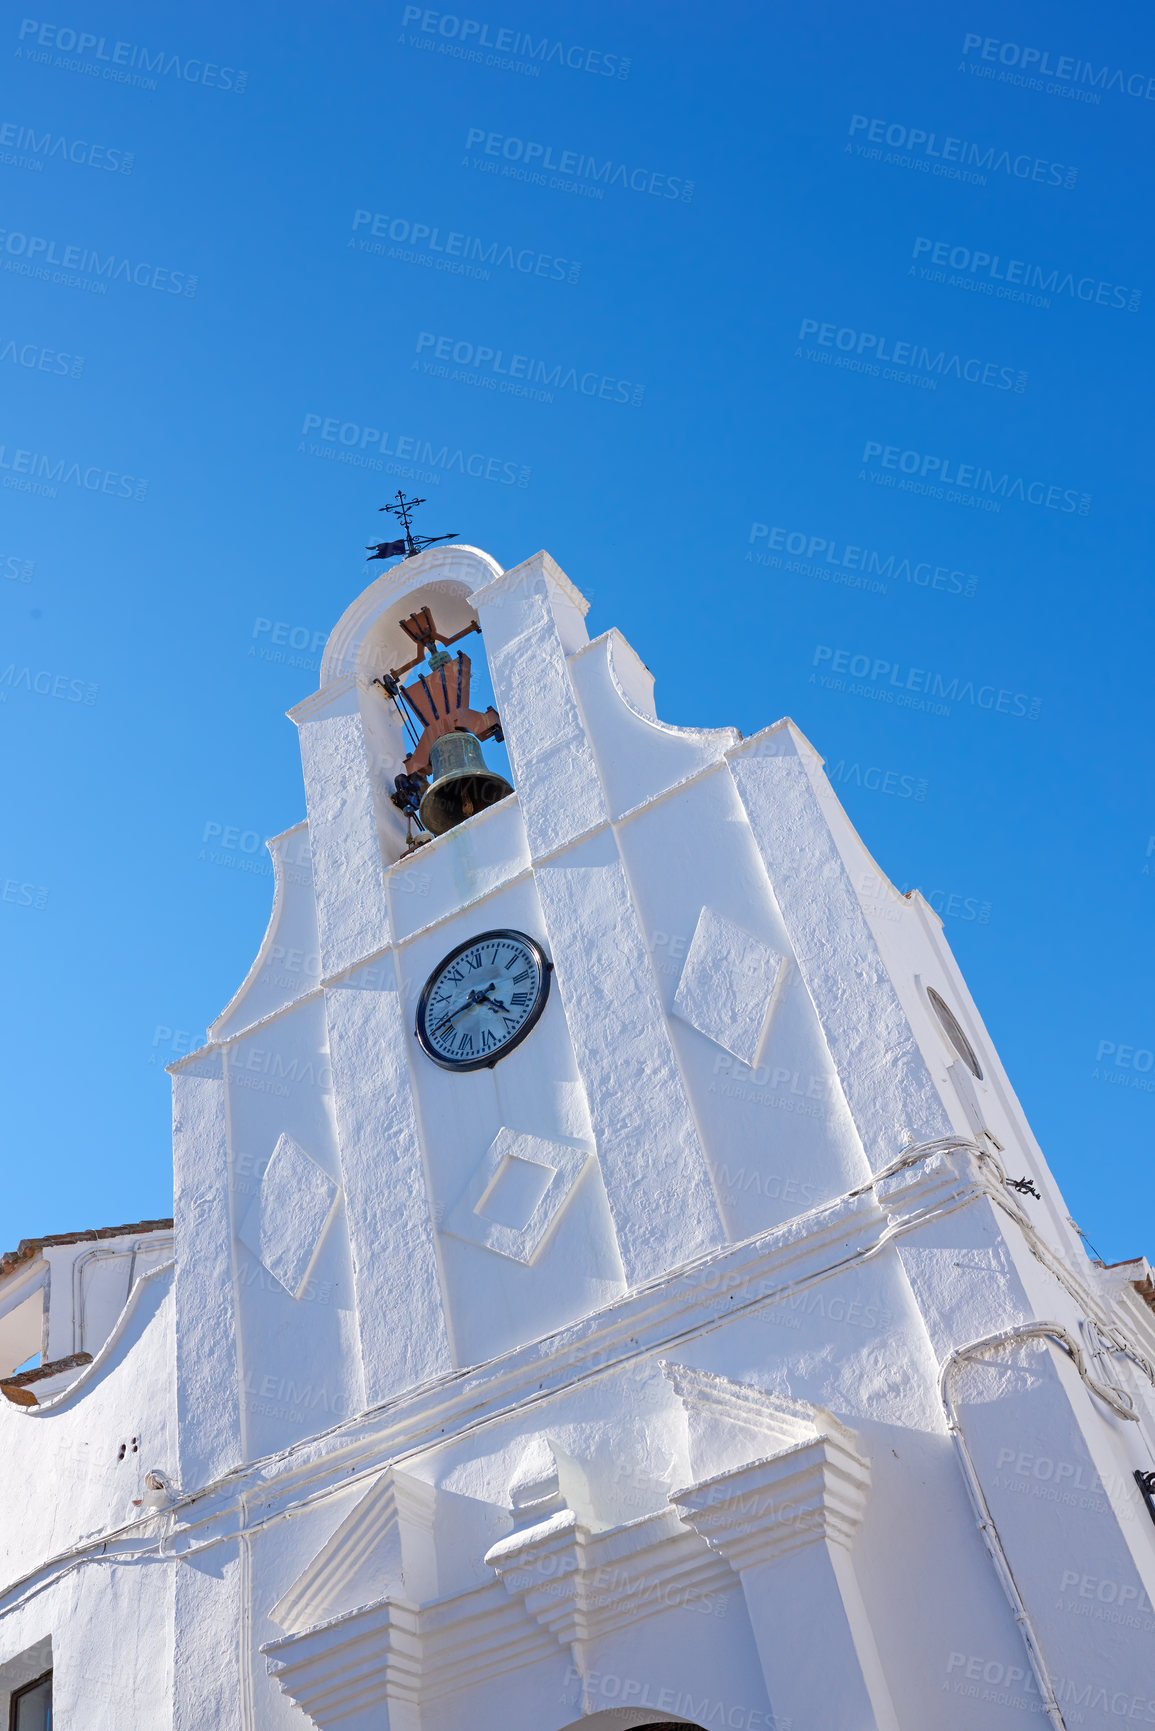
(544, 971)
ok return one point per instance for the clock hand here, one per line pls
(473, 999)
(490, 1003)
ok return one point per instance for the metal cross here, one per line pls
(412, 544)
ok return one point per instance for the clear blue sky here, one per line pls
(788, 175)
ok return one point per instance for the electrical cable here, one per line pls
(1047, 1331)
(96, 1550)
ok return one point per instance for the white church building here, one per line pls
(612, 1282)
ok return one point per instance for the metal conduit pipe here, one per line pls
(1058, 1335)
(96, 1550)
(132, 1251)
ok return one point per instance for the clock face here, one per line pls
(482, 1000)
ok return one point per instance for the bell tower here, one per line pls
(611, 1171)
(443, 1211)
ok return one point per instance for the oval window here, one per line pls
(955, 1034)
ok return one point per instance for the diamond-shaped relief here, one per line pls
(516, 1193)
(727, 985)
(287, 1218)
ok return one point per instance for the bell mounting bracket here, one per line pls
(420, 629)
(439, 698)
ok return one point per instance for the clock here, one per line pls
(482, 1000)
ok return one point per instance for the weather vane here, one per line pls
(412, 543)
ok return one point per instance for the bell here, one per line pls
(461, 784)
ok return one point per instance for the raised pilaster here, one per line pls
(531, 617)
(348, 869)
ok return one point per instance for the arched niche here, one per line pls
(630, 1719)
(368, 639)
(368, 642)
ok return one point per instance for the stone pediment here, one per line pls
(383, 1547)
(730, 1424)
(368, 1641)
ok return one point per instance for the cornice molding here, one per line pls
(581, 1586)
(392, 1653)
(570, 1584)
(770, 1508)
(653, 1320)
(560, 1586)
(368, 1656)
(326, 697)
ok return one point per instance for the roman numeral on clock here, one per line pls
(482, 1000)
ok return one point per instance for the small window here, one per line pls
(31, 1707)
(955, 1034)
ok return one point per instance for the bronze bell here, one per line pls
(461, 784)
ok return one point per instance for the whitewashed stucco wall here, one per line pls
(689, 1457)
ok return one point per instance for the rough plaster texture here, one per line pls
(288, 1216)
(352, 912)
(207, 1345)
(882, 1070)
(516, 1194)
(727, 984)
(627, 1060)
(399, 1300)
(605, 1383)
